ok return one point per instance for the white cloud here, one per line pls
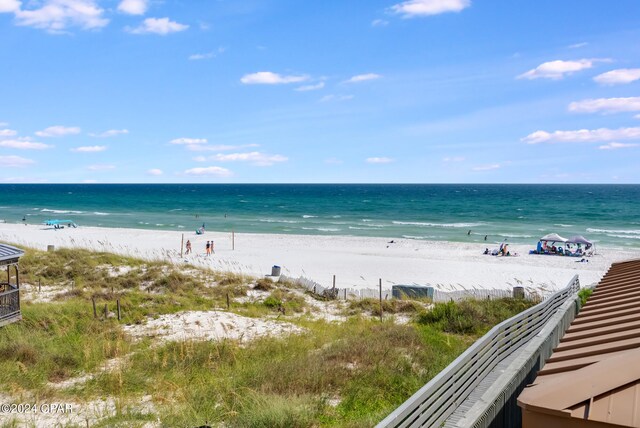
(582, 135)
(315, 87)
(453, 159)
(379, 23)
(606, 105)
(155, 171)
(210, 170)
(363, 78)
(218, 148)
(616, 146)
(101, 167)
(7, 132)
(332, 97)
(24, 144)
(379, 160)
(110, 133)
(56, 16)
(9, 5)
(269, 78)
(15, 161)
(133, 7)
(58, 131)
(414, 8)
(255, 158)
(578, 45)
(196, 57)
(189, 141)
(89, 149)
(200, 159)
(558, 69)
(334, 161)
(489, 167)
(162, 26)
(618, 77)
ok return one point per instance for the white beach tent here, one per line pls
(554, 237)
(579, 239)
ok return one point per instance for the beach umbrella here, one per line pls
(554, 237)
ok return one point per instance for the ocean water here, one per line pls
(607, 214)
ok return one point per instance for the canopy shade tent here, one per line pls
(579, 239)
(553, 237)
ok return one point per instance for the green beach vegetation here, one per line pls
(346, 370)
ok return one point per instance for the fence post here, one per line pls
(106, 311)
(118, 305)
(228, 302)
(95, 313)
(380, 283)
(334, 281)
(181, 245)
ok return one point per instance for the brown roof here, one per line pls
(593, 376)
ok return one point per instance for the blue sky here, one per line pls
(219, 91)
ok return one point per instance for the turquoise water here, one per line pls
(608, 214)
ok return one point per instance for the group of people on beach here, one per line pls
(209, 249)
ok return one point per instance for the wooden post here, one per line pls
(228, 302)
(95, 313)
(118, 305)
(106, 311)
(380, 282)
(233, 240)
(334, 281)
(181, 245)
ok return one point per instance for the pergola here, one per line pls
(10, 290)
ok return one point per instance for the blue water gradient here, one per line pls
(608, 214)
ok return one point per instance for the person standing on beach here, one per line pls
(212, 248)
(208, 248)
(188, 247)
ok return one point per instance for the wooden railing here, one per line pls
(9, 303)
(438, 399)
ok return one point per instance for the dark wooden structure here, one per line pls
(10, 290)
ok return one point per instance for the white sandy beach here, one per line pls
(357, 262)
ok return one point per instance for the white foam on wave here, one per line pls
(627, 231)
(563, 225)
(309, 216)
(273, 220)
(418, 237)
(99, 213)
(46, 210)
(513, 235)
(322, 229)
(446, 225)
(613, 235)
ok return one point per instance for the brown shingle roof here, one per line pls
(593, 376)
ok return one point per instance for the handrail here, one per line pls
(438, 399)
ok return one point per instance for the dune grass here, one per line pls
(349, 374)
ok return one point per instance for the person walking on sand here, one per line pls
(212, 248)
(208, 248)
(188, 247)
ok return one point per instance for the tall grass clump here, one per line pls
(472, 316)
